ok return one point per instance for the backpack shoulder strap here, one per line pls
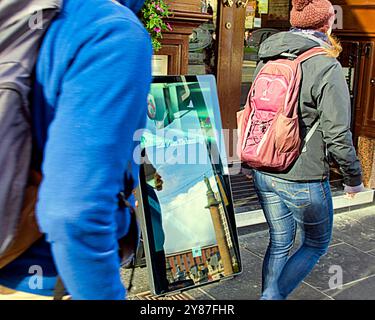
(316, 51)
(310, 135)
(301, 58)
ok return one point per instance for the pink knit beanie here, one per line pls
(311, 14)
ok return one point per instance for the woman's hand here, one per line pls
(351, 192)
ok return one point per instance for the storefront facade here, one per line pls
(222, 37)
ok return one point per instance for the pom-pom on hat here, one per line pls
(311, 14)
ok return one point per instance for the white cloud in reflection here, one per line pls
(186, 221)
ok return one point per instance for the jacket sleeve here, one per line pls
(102, 102)
(335, 116)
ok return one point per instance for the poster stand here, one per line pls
(185, 203)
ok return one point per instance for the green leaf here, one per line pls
(153, 18)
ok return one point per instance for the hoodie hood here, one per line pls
(287, 42)
(134, 5)
(74, 5)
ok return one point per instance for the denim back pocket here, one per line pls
(294, 194)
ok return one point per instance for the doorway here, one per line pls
(236, 32)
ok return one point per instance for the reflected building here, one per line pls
(184, 265)
(225, 223)
(221, 238)
(227, 233)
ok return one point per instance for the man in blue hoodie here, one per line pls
(92, 79)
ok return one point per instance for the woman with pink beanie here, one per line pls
(301, 196)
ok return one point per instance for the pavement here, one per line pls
(351, 254)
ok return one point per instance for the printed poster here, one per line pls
(263, 6)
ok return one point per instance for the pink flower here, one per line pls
(169, 27)
(159, 9)
(157, 30)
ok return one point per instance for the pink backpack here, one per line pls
(268, 127)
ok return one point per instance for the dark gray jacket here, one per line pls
(325, 98)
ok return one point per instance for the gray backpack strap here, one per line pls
(310, 134)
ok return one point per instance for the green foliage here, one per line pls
(153, 14)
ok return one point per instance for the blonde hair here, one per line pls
(335, 48)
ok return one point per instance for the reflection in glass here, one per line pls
(262, 19)
(185, 186)
(202, 42)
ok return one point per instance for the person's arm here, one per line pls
(103, 100)
(335, 117)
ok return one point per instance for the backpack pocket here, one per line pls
(287, 134)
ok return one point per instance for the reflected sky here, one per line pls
(186, 221)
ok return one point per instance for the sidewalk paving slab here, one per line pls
(352, 248)
(140, 280)
(258, 242)
(354, 263)
(358, 290)
(246, 286)
(307, 292)
(356, 229)
(200, 294)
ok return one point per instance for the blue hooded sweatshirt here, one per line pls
(92, 79)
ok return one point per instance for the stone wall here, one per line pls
(366, 153)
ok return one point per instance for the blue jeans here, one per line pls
(286, 205)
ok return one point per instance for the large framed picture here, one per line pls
(189, 230)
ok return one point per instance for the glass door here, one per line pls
(263, 18)
(243, 26)
(228, 47)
